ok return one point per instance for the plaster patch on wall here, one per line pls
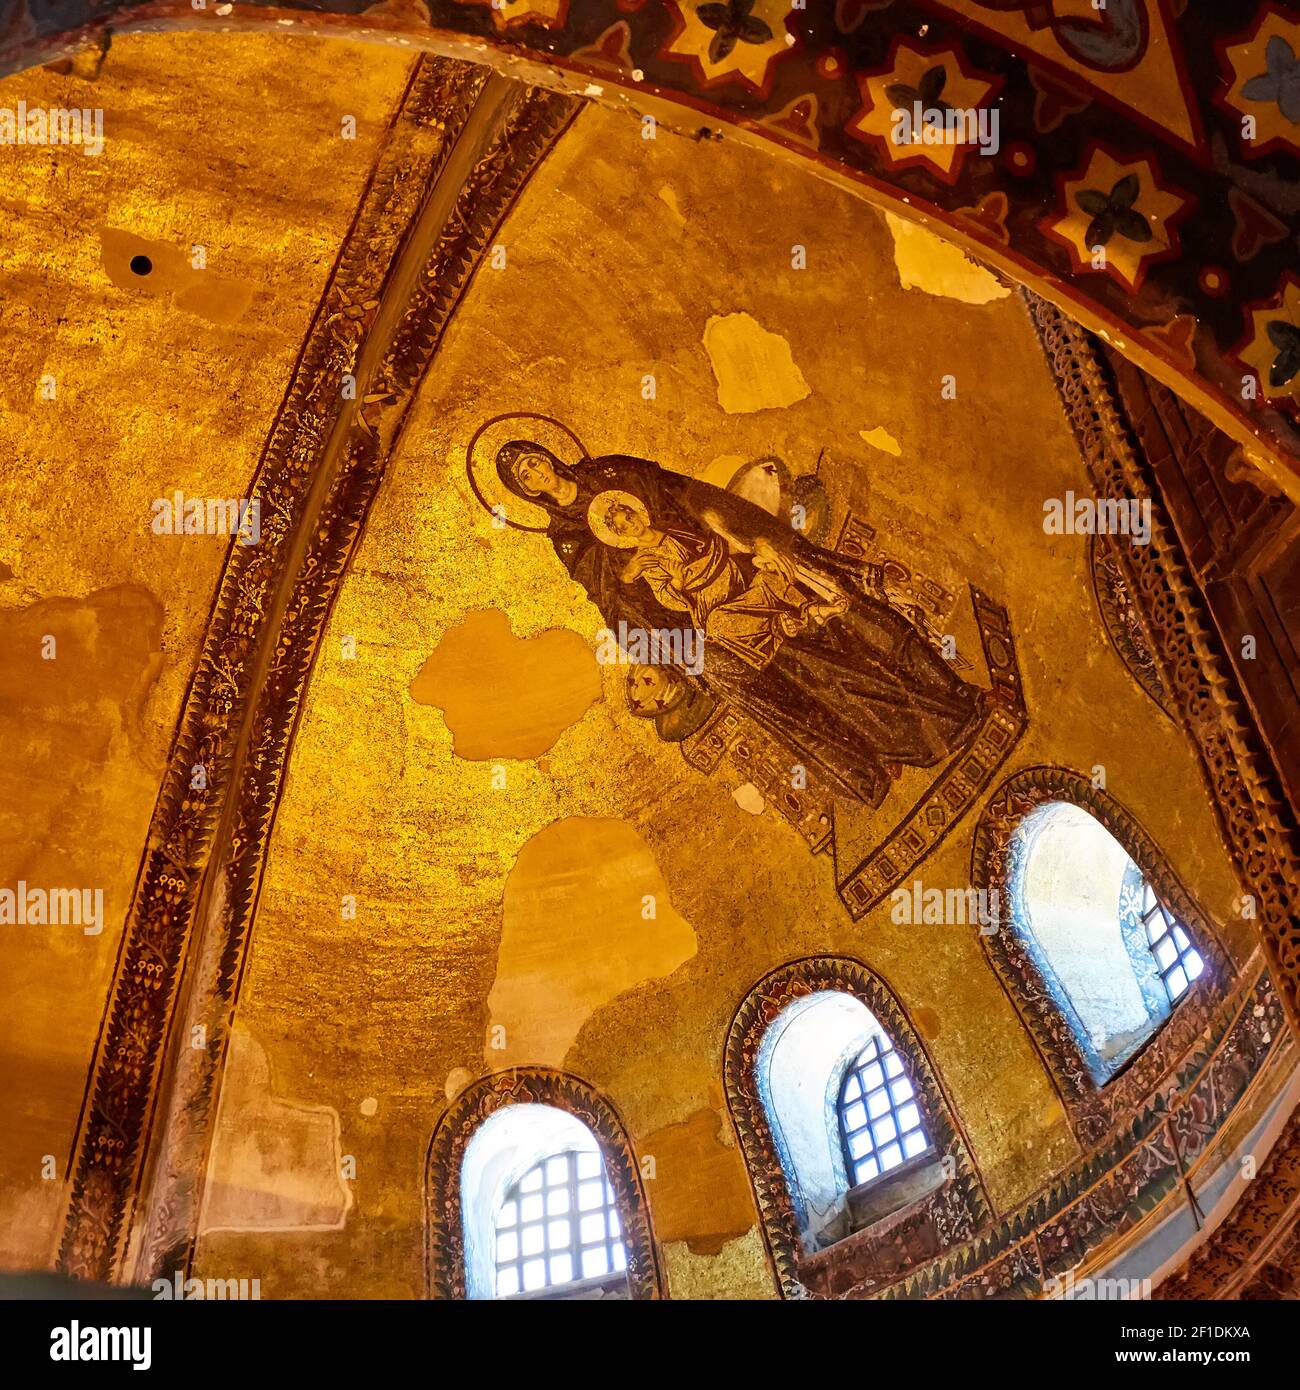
(750, 799)
(754, 367)
(928, 262)
(880, 438)
(276, 1164)
(701, 1192)
(457, 1079)
(504, 696)
(739, 1271)
(217, 298)
(927, 1022)
(669, 198)
(75, 679)
(65, 659)
(576, 933)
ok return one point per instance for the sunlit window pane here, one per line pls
(880, 1123)
(1177, 960)
(557, 1224)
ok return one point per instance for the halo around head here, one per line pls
(598, 516)
(480, 466)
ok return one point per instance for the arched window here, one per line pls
(538, 1208)
(844, 1114)
(1099, 944)
(534, 1191)
(1178, 961)
(848, 1136)
(559, 1224)
(1115, 959)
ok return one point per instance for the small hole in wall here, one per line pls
(141, 265)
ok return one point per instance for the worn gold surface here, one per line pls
(160, 384)
(617, 255)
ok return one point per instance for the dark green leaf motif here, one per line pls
(904, 95)
(1113, 212)
(732, 23)
(1286, 338)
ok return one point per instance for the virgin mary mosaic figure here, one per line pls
(798, 638)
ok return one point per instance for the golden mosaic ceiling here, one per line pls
(371, 820)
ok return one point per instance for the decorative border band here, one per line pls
(1257, 827)
(1105, 1195)
(1258, 1237)
(959, 786)
(1194, 301)
(320, 469)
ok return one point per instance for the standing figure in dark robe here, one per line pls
(799, 639)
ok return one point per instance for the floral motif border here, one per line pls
(965, 1208)
(1118, 615)
(1256, 1234)
(1208, 168)
(950, 797)
(445, 1245)
(1104, 1196)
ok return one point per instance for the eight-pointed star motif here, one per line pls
(1116, 217)
(731, 40)
(1265, 84)
(1272, 345)
(942, 89)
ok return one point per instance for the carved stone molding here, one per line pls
(960, 1208)
(1120, 618)
(1097, 1203)
(445, 1226)
(997, 862)
(460, 148)
(1253, 813)
(1255, 1253)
